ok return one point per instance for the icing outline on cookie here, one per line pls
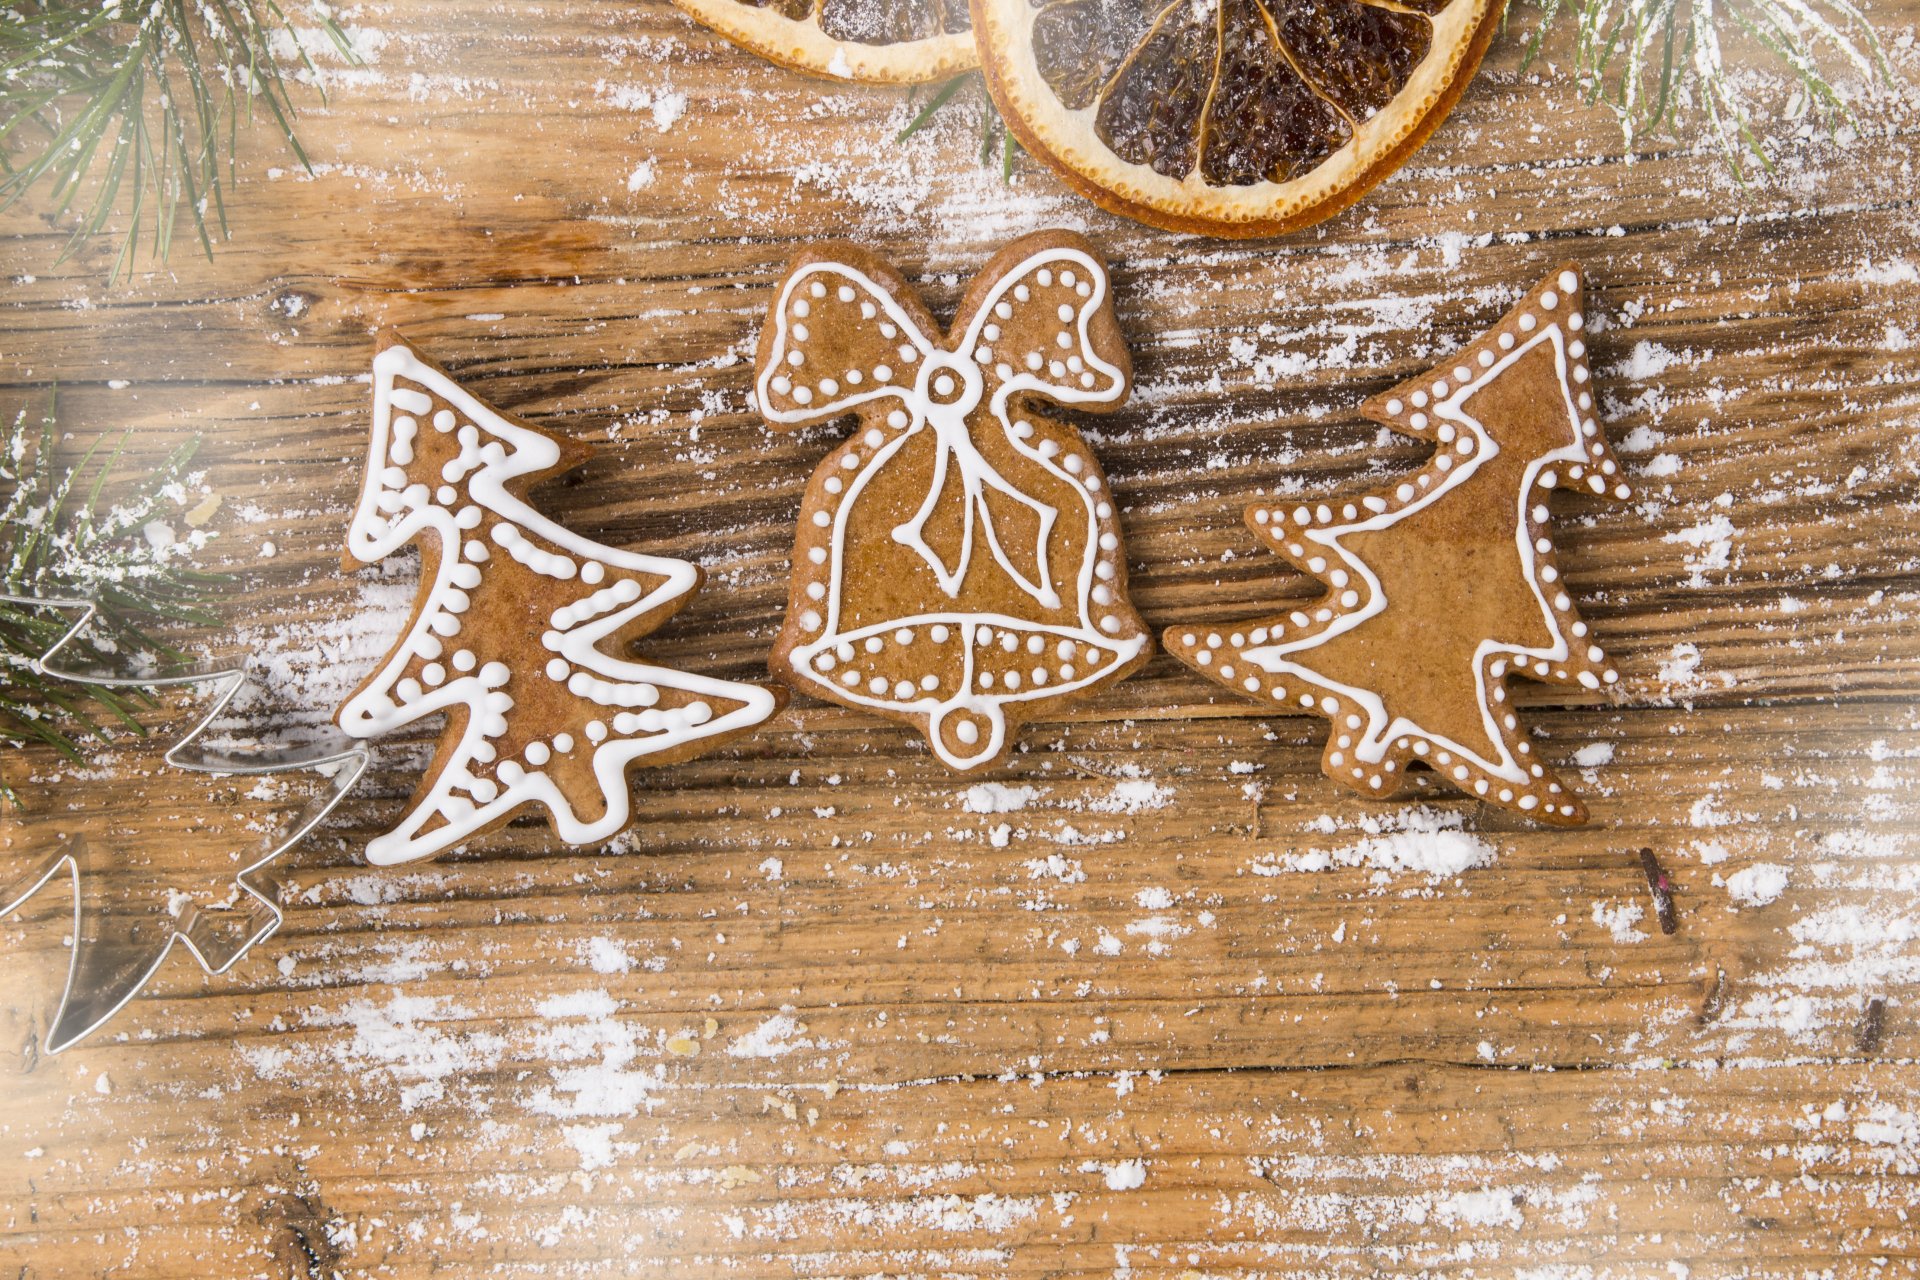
(394, 509)
(945, 389)
(1368, 745)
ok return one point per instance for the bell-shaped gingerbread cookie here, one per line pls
(959, 563)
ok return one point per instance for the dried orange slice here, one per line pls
(1232, 117)
(871, 41)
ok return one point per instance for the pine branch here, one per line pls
(990, 121)
(56, 540)
(136, 106)
(1656, 61)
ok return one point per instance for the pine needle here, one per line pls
(135, 107)
(939, 100)
(991, 125)
(56, 540)
(1659, 65)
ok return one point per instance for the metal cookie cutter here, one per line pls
(116, 950)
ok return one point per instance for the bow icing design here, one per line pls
(841, 341)
(977, 476)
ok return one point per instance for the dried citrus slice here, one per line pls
(873, 41)
(1234, 117)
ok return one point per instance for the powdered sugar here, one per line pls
(1421, 841)
(1757, 885)
(400, 1040)
(776, 1037)
(1593, 755)
(1620, 920)
(1132, 795)
(997, 797)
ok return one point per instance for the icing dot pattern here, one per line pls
(1371, 748)
(844, 354)
(1000, 542)
(538, 711)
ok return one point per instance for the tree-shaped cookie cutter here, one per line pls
(100, 982)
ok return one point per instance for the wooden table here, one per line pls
(819, 1013)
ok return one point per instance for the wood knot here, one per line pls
(291, 304)
(307, 1245)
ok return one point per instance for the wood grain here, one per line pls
(823, 1013)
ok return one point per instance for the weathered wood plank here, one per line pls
(824, 1012)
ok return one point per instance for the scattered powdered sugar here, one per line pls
(1757, 885)
(1712, 540)
(594, 1142)
(1710, 852)
(305, 670)
(776, 1037)
(998, 797)
(606, 955)
(1620, 920)
(1681, 666)
(1421, 840)
(399, 1040)
(376, 888)
(1128, 796)
(578, 1004)
(1132, 795)
(1855, 937)
(1650, 360)
(1470, 1195)
(311, 55)
(1056, 866)
(665, 106)
(1894, 271)
(596, 1057)
(1126, 1175)
(1593, 755)
(1894, 1135)
(988, 1214)
(1483, 1208)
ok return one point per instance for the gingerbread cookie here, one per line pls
(513, 634)
(1443, 586)
(959, 563)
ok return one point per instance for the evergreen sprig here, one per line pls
(58, 540)
(1656, 62)
(992, 127)
(140, 102)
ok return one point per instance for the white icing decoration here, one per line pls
(1381, 734)
(463, 797)
(945, 392)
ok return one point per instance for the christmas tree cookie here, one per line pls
(1440, 588)
(518, 635)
